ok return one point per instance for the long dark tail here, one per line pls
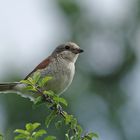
(8, 86)
(15, 87)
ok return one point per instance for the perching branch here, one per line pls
(74, 131)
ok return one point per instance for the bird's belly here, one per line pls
(61, 78)
(59, 84)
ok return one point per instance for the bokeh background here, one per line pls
(105, 94)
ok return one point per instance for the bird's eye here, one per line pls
(67, 47)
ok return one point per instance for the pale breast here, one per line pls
(62, 73)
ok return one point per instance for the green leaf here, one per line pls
(31, 127)
(24, 132)
(31, 81)
(79, 130)
(20, 137)
(93, 135)
(50, 138)
(50, 118)
(30, 88)
(38, 100)
(26, 82)
(44, 81)
(68, 119)
(67, 137)
(60, 100)
(49, 93)
(39, 133)
(73, 123)
(36, 77)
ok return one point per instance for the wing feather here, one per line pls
(42, 65)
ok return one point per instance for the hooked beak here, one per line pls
(80, 50)
(77, 51)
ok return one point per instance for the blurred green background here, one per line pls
(104, 95)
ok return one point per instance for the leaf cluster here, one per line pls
(55, 104)
(32, 132)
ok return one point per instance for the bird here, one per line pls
(60, 65)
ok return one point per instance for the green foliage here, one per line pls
(50, 118)
(30, 132)
(1, 136)
(50, 138)
(54, 103)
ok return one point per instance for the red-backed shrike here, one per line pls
(60, 65)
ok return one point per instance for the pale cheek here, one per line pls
(69, 55)
(66, 54)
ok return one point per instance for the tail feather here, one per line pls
(8, 86)
(17, 88)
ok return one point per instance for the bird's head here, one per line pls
(68, 51)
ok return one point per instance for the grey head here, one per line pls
(68, 51)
